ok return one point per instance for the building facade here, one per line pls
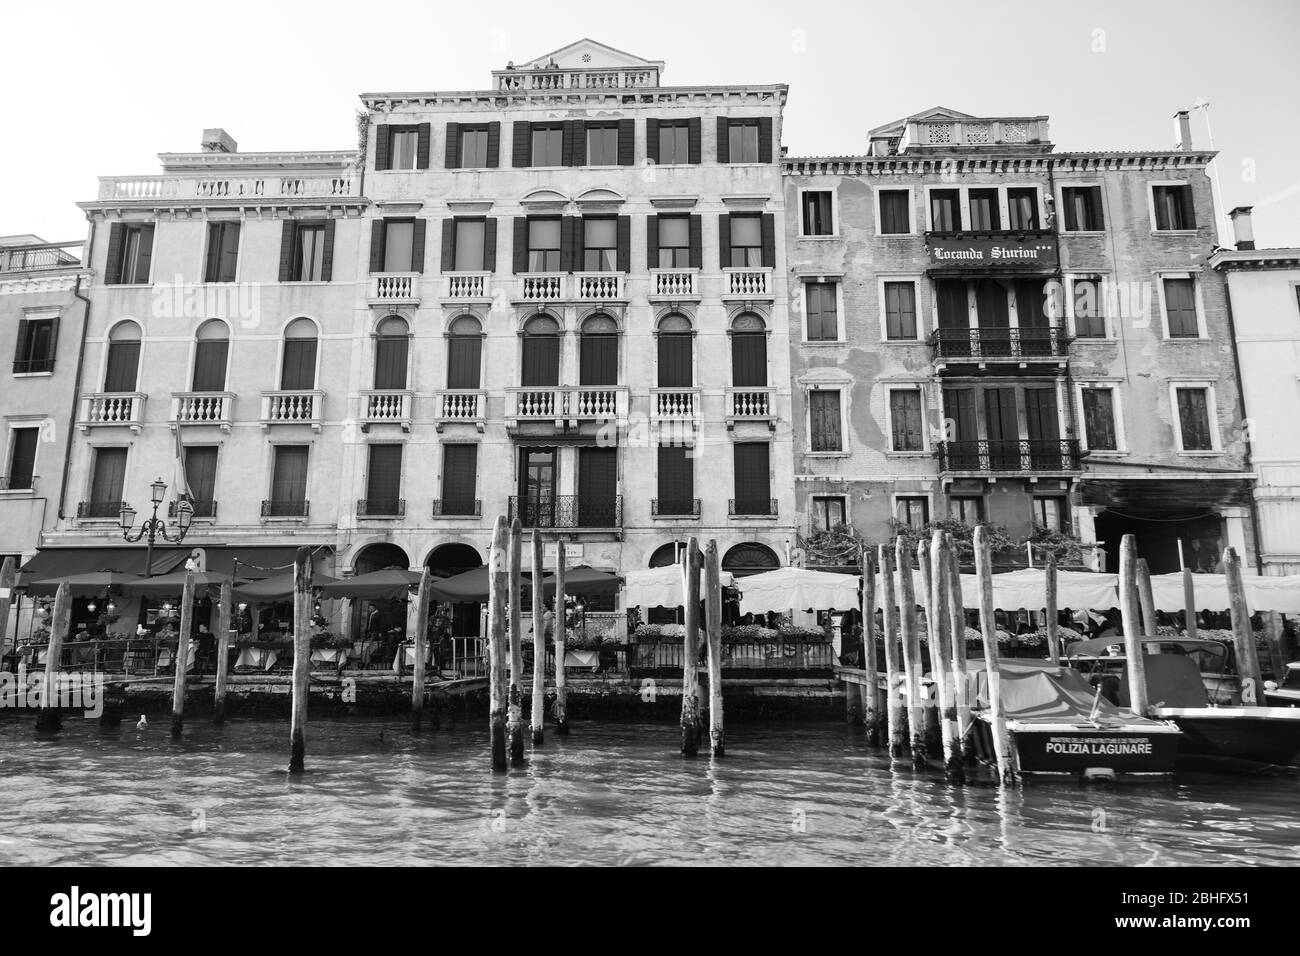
(995, 331)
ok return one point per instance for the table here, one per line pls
(263, 657)
(165, 655)
(582, 659)
(330, 655)
(406, 656)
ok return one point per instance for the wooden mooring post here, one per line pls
(957, 620)
(498, 591)
(1002, 750)
(8, 572)
(871, 693)
(539, 643)
(933, 709)
(690, 720)
(48, 717)
(223, 653)
(911, 655)
(420, 624)
(182, 658)
(1189, 604)
(1050, 611)
(302, 606)
(713, 634)
(1146, 598)
(941, 661)
(1243, 638)
(1130, 615)
(895, 688)
(561, 632)
(515, 703)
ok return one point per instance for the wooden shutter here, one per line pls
(753, 484)
(541, 364)
(327, 256)
(1180, 308)
(597, 482)
(652, 242)
(494, 145)
(521, 146)
(1030, 305)
(298, 370)
(417, 246)
(749, 359)
(146, 254)
(724, 140)
(900, 310)
(1194, 419)
(1095, 208)
(289, 480)
(24, 347)
(651, 140)
(286, 250)
(1000, 414)
(954, 309)
(113, 268)
(464, 359)
(576, 143)
(623, 233)
(423, 142)
(1040, 411)
(765, 139)
(489, 245)
(598, 360)
(812, 293)
(452, 156)
(676, 480)
(675, 365)
(109, 475)
(959, 408)
(210, 365)
(201, 472)
(212, 265)
(1187, 207)
(693, 140)
(724, 239)
(991, 305)
(390, 361)
(459, 478)
(384, 476)
(123, 366)
(383, 142)
(905, 419)
(570, 242)
(769, 240)
(521, 244)
(697, 243)
(824, 419)
(1099, 419)
(448, 245)
(626, 142)
(377, 246)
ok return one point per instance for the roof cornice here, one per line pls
(499, 99)
(1241, 260)
(931, 162)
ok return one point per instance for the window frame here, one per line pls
(745, 122)
(913, 279)
(13, 426)
(1004, 211)
(660, 247)
(1202, 334)
(1066, 522)
(814, 503)
(674, 125)
(95, 451)
(911, 212)
(981, 507)
(925, 497)
(533, 130)
(25, 322)
(834, 213)
(611, 251)
(1061, 187)
(840, 390)
(735, 217)
(838, 282)
(1070, 278)
(1211, 412)
(279, 358)
(558, 249)
(1151, 206)
(393, 132)
(599, 126)
(275, 446)
(483, 129)
(207, 248)
(456, 244)
(890, 449)
(1117, 411)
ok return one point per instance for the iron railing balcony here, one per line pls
(285, 509)
(569, 511)
(457, 507)
(203, 508)
(381, 507)
(100, 509)
(1057, 456)
(675, 507)
(751, 507)
(33, 366)
(999, 345)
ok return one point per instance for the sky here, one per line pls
(95, 89)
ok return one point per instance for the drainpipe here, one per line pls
(76, 385)
(1245, 432)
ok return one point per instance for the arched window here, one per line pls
(676, 352)
(392, 342)
(666, 554)
(541, 353)
(123, 358)
(464, 353)
(598, 351)
(748, 351)
(750, 558)
(211, 351)
(298, 370)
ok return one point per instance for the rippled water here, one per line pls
(610, 793)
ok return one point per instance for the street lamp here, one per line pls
(155, 527)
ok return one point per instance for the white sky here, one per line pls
(95, 89)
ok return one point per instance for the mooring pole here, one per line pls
(713, 634)
(498, 591)
(957, 620)
(940, 648)
(223, 653)
(895, 708)
(8, 572)
(1129, 613)
(302, 605)
(182, 655)
(691, 648)
(421, 624)
(539, 643)
(49, 718)
(911, 655)
(1189, 604)
(561, 632)
(1252, 683)
(1050, 611)
(1002, 750)
(1146, 598)
(871, 699)
(515, 704)
(933, 708)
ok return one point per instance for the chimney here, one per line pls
(218, 141)
(1182, 130)
(1242, 229)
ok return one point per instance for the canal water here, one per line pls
(786, 793)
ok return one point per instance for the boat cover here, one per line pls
(1172, 681)
(1041, 691)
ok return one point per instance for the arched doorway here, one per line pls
(376, 557)
(448, 560)
(666, 554)
(743, 560)
(380, 623)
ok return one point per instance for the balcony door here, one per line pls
(392, 344)
(748, 352)
(541, 353)
(537, 487)
(961, 429)
(597, 487)
(210, 352)
(753, 483)
(1002, 428)
(1044, 427)
(298, 368)
(994, 317)
(954, 316)
(123, 364)
(598, 352)
(1031, 313)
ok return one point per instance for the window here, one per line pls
(22, 459)
(968, 509)
(900, 310)
(399, 245)
(459, 479)
(599, 245)
(1022, 209)
(742, 141)
(1081, 209)
(1173, 207)
(130, 249)
(676, 346)
(107, 480)
(1194, 428)
(543, 245)
(289, 482)
(827, 512)
(548, 146)
(746, 241)
(469, 245)
(223, 252)
(825, 421)
(748, 352)
(541, 353)
(36, 343)
(945, 210)
(1089, 306)
(753, 486)
(384, 480)
(598, 351)
(298, 367)
(913, 511)
(674, 143)
(211, 351)
(816, 210)
(403, 147)
(1180, 309)
(201, 476)
(905, 420)
(602, 145)
(122, 367)
(1049, 512)
(309, 241)
(674, 242)
(984, 213)
(822, 313)
(895, 211)
(464, 352)
(1099, 431)
(676, 481)
(473, 147)
(392, 342)
(953, 304)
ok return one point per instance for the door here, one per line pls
(537, 487)
(1031, 312)
(994, 317)
(459, 479)
(1002, 429)
(954, 317)
(961, 429)
(749, 359)
(753, 482)
(201, 476)
(1044, 428)
(384, 480)
(123, 363)
(598, 363)
(675, 360)
(289, 481)
(107, 481)
(541, 366)
(597, 487)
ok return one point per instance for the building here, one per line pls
(1264, 298)
(995, 331)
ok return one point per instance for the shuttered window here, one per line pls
(459, 479)
(547, 146)
(1180, 308)
(753, 485)
(34, 351)
(1089, 307)
(984, 213)
(1082, 212)
(991, 308)
(1042, 420)
(895, 211)
(473, 147)
(675, 360)
(960, 422)
(404, 142)
(390, 360)
(825, 421)
(210, 365)
(815, 210)
(201, 476)
(597, 487)
(1194, 419)
(107, 479)
(743, 142)
(945, 210)
(223, 252)
(1022, 209)
(543, 245)
(469, 245)
(822, 312)
(598, 360)
(130, 251)
(746, 241)
(22, 458)
(399, 240)
(900, 310)
(464, 360)
(674, 241)
(123, 366)
(749, 359)
(298, 369)
(1173, 206)
(602, 145)
(954, 306)
(599, 245)
(384, 479)
(1031, 304)
(309, 257)
(289, 477)
(541, 361)
(1099, 419)
(676, 479)
(905, 419)
(673, 140)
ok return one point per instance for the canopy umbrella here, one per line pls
(584, 581)
(799, 589)
(89, 584)
(660, 587)
(468, 586)
(279, 587)
(1027, 588)
(390, 583)
(1263, 592)
(166, 585)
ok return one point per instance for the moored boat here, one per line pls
(1287, 693)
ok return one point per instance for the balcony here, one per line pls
(673, 284)
(203, 408)
(161, 188)
(682, 508)
(386, 407)
(40, 257)
(751, 507)
(1023, 348)
(572, 512)
(1027, 132)
(203, 508)
(1022, 457)
(457, 508)
(568, 405)
(599, 286)
(751, 405)
(542, 286)
(100, 510)
(465, 286)
(460, 406)
(747, 284)
(112, 408)
(675, 405)
(394, 288)
(285, 509)
(542, 81)
(292, 407)
(381, 507)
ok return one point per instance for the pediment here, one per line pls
(587, 54)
